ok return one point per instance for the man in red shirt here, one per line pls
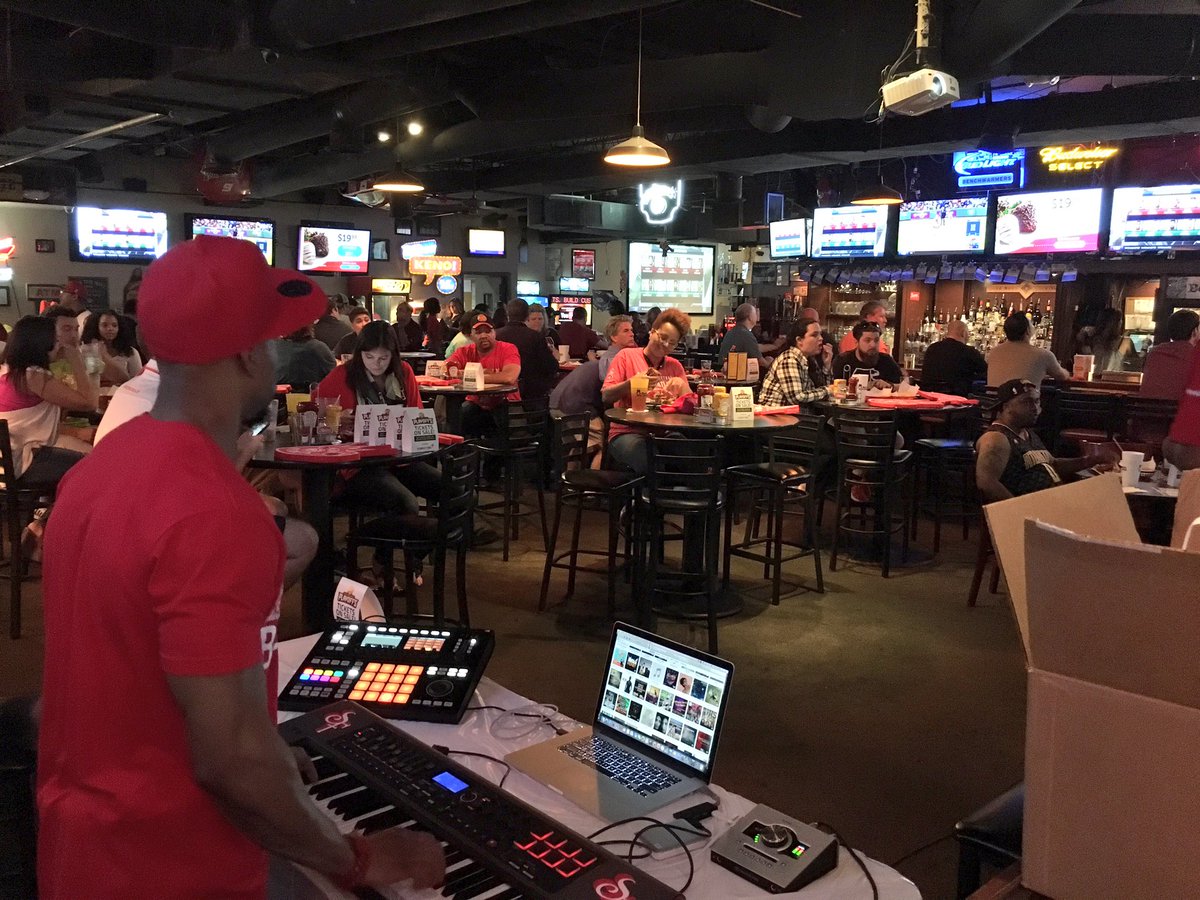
(501, 365)
(627, 447)
(1182, 446)
(160, 772)
(872, 311)
(1167, 364)
(577, 335)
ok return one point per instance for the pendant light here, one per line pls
(398, 180)
(637, 150)
(877, 195)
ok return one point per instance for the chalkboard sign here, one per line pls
(97, 291)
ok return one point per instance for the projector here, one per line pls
(919, 92)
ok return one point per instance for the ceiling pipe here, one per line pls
(298, 174)
(486, 26)
(983, 39)
(201, 26)
(307, 24)
(304, 120)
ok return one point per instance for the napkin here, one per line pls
(777, 411)
(685, 405)
(430, 381)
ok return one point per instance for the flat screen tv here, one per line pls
(789, 238)
(567, 284)
(841, 231)
(943, 226)
(260, 232)
(1153, 219)
(333, 250)
(568, 305)
(1049, 222)
(528, 288)
(485, 242)
(117, 235)
(682, 277)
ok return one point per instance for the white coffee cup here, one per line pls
(864, 385)
(1131, 464)
(1173, 475)
(564, 353)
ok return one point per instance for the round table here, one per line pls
(728, 602)
(317, 481)
(455, 394)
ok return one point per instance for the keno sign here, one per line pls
(433, 267)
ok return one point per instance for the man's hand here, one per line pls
(826, 356)
(677, 386)
(304, 765)
(398, 855)
(247, 445)
(881, 385)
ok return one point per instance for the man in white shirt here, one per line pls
(1017, 359)
(137, 396)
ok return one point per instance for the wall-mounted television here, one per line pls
(567, 284)
(117, 235)
(528, 288)
(1152, 219)
(333, 249)
(840, 231)
(485, 242)
(1049, 222)
(789, 238)
(943, 226)
(260, 232)
(682, 277)
(567, 305)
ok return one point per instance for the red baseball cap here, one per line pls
(481, 322)
(213, 297)
(76, 287)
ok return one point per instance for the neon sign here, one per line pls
(1076, 159)
(8, 247)
(660, 202)
(413, 249)
(433, 266)
(391, 285)
(984, 169)
(447, 284)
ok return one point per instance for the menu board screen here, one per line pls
(1049, 222)
(943, 226)
(334, 250)
(681, 277)
(789, 238)
(118, 235)
(1155, 218)
(260, 232)
(849, 231)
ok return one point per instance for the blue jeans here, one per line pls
(629, 451)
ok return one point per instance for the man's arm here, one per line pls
(251, 774)
(1182, 456)
(1055, 370)
(1073, 464)
(991, 457)
(509, 372)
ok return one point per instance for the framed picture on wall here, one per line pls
(5, 295)
(583, 263)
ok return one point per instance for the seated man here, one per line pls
(359, 318)
(1010, 459)
(136, 397)
(627, 447)
(577, 335)
(1016, 358)
(951, 365)
(539, 368)
(797, 376)
(501, 365)
(866, 357)
(1182, 446)
(1165, 373)
(740, 338)
(300, 359)
(579, 392)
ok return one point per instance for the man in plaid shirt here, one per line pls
(797, 376)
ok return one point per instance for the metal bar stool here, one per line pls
(684, 479)
(585, 488)
(516, 443)
(785, 479)
(448, 528)
(868, 462)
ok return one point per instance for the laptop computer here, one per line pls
(653, 737)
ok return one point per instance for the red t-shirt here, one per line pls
(159, 559)
(336, 386)
(501, 355)
(629, 362)
(1186, 427)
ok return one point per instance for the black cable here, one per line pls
(829, 829)
(507, 767)
(911, 853)
(655, 823)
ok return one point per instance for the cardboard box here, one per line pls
(1110, 628)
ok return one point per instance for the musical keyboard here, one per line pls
(372, 776)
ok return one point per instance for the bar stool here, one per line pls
(586, 488)
(684, 479)
(868, 459)
(1080, 416)
(448, 528)
(516, 442)
(20, 499)
(944, 461)
(786, 478)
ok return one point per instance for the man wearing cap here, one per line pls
(1010, 459)
(501, 363)
(72, 296)
(160, 770)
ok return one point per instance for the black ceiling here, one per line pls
(522, 96)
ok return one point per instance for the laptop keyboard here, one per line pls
(642, 777)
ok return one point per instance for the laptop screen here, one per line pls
(666, 697)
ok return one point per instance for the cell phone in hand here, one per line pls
(259, 427)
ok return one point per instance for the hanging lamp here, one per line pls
(398, 180)
(637, 150)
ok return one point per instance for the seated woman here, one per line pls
(537, 321)
(376, 374)
(32, 400)
(115, 342)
